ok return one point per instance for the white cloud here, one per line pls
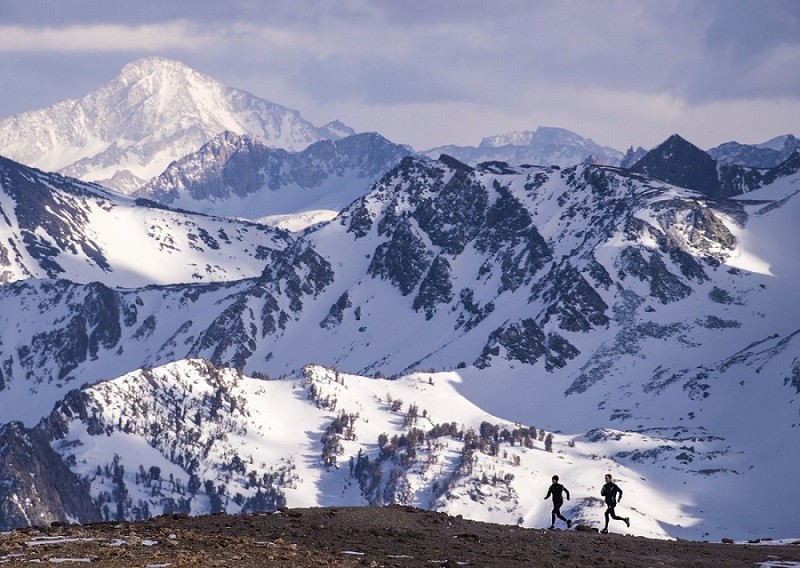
(103, 38)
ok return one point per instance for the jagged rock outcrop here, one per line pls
(36, 486)
(524, 341)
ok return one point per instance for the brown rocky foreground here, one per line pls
(393, 536)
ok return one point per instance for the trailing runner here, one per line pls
(557, 491)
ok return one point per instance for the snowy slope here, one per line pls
(56, 227)
(154, 112)
(56, 334)
(237, 176)
(196, 438)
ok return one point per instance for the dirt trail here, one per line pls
(393, 536)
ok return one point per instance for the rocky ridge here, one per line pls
(770, 154)
(678, 162)
(56, 227)
(235, 175)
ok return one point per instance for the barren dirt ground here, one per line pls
(393, 536)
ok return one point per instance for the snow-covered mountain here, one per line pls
(154, 112)
(769, 154)
(190, 436)
(237, 176)
(633, 316)
(543, 146)
(57, 227)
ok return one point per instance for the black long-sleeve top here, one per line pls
(612, 493)
(556, 490)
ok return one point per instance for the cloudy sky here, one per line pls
(430, 72)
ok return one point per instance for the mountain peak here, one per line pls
(676, 147)
(339, 128)
(778, 143)
(454, 163)
(154, 112)
(789, 166)
(542, 134)
(153, 63)
(681, 163)
(547, 145)
(769, 154)
(678, 141)
(160, 73)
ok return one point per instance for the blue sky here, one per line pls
(428, 73)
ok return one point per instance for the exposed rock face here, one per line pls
(36, 486)
(632, 156)
(436, 288)
(525, 342)
(572, 301)
(680, 163)
(336, 313)
(402, 260)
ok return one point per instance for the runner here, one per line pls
(557, 490)
(613, 495)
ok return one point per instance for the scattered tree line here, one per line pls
(382, 478)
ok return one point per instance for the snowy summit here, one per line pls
(154, 112)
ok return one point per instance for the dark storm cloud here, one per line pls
(753, 50)
(753, 29)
